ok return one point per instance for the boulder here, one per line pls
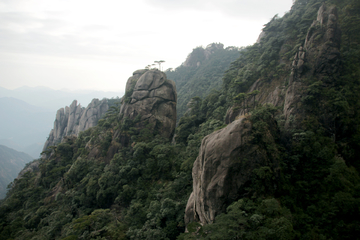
(153, 97)
(222, 170)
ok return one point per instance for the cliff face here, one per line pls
(149, 104)
(220, 171)
(74, 119)
(318, 57)
(153, 98)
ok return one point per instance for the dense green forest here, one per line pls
(201, 73)
(308, 187)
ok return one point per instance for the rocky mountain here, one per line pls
(72, 120)
(219, 176)
(153, 97)
(149, 105)
(12, 162)
(314, 74)
(273, 154)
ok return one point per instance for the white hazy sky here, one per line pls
(87, 44)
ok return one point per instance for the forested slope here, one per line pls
(296, 94)
(201, 73)
(306, 184)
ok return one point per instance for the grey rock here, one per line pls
(150, 102)
(150, 80)
(322, 57)
(74, 119)
(153, 98)
(91, 115)
(322, 42)
(221, 170)
(133, 79)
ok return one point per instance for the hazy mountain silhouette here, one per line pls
(55, 99)
(11, 164)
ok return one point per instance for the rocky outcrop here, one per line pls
(92, 113)
(152, 97)
(322, 44)
(149, 104)
(225, 160)
(212, 184)
(70, 121)
(320, 58)
(223, 167)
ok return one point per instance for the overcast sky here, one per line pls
(86, 44)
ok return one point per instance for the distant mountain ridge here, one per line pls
(11, 164)
(28, 113)
(24, 127)
(54, 99)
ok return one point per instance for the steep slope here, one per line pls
(11, 162)
(201, 72)
(124, 163)
(323, 57)
(311, 91)
(283, 166)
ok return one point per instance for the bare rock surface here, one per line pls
(153, 97)
(70, 121)
(221, 170)
(91, 115)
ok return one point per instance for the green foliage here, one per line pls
(247, 219)
(93, 226)
(201, 75)
(307, 187)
